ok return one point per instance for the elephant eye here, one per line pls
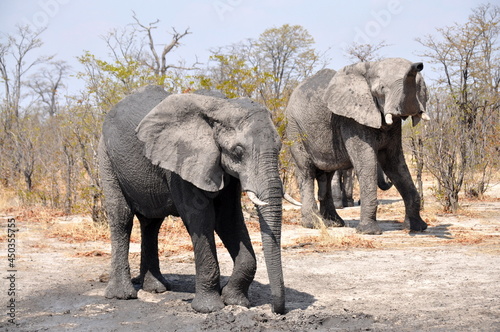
(237, 152)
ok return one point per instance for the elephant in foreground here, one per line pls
(342, 187)
(191, 155)
(353, 118)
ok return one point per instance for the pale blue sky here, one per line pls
(75, 25)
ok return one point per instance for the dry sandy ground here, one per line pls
(445, 279)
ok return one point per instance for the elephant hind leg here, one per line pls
(120, 223)
(327, 206)
(150, 276)
(311, 217)
(231, 228)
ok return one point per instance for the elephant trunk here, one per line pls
(410, 103)
(270, 215)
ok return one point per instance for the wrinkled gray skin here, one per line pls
(342, 186)
(191, 156)
(338, 120)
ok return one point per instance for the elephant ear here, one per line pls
(349, 95)
(179, 138)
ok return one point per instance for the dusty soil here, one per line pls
(444, 279)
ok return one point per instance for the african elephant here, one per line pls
(342, 186)
(353, 118)
(191, 155)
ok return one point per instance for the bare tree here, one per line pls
(16, 49)
(16, 147)
(364, 52)
(466, 104)
(47, 83)
(157, 61)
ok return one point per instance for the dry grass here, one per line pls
(78, 232)
(327, 241)
(93, 253)
(468, 238)
(7, 198)
(330, 240)
(33, 213)
(173, 237)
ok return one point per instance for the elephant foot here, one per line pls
(415, 224)
(371, 228)
(337, 222)
(122, 290)
(233, 296)
(338, 204)
(312, 220)
(331, 218)
(207, 302)
(153, 283)
(308, 224)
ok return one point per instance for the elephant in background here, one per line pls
(342, 186)
(191, 155)
(343, 183)
(353, 118)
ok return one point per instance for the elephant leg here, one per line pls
(327, 207)
(337, 190)
(311, 216)
(150, 276)
(231, 228)
(364, 160)
(394, 166)
(120, 223)
(196, 209)
(347, 187)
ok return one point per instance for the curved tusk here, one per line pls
(425, 116)
(255, 200)
(388, 119)
(290, 199)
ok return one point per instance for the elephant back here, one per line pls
(148, 192)
(315, 86)
(129, 112)
(308, 116)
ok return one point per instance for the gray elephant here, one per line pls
(353, 118)
(342, 186)
(191, 155)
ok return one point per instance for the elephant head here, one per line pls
(202, 138)
(374, 92)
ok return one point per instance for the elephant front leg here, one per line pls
(365, 164)
(396, 169)
(327, 207)
(237, 241)
(208, 292)
(231, 228)
(150, 277)
(196, 209)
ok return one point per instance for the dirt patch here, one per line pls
(443, 279)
